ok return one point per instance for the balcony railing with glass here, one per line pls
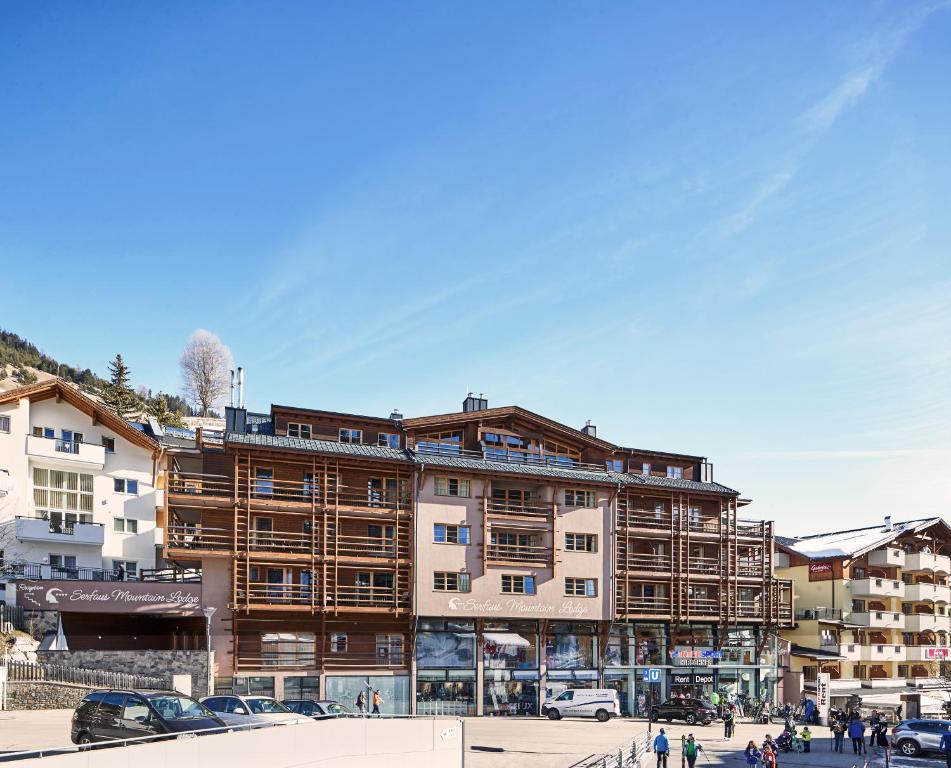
(70, 450)
(507, 456)
(819, 614)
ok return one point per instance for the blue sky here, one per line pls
(716, 229)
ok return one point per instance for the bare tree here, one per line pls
(205, 364)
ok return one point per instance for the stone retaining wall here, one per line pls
(41, 695)
(162, 664)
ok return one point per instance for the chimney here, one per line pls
(231, 390)
(589, 429)
(473, 403)
(396, 415)
(240, 387)
(888, 522)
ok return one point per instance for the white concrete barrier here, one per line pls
(341, 743)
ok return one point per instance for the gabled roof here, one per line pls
(532, 470)
(678, 484)
(63, 390)
(461, 417)
(660, 454)
(854, 542)
(334, 414)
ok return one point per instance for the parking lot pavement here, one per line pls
(33, 729)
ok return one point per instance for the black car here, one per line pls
(108, 715)
(689, 710)
(319, 710)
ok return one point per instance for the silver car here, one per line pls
(912, 737)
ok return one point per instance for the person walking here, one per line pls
(715, 701)
(873, 727)
(662, 748)
(838, 735)
(728, 721)
(857, 734)
(945, 746)
(361, 702)
(691, 750)
(752, 754)
(769, 757)
(806, 737)
(377, 700)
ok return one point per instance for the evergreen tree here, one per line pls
(158, 408)
(117, 394)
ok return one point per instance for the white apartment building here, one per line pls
(79, 488)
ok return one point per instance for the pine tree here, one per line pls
(158, 408)
(117, 394)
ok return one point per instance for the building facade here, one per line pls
(476, 562)
(871, 609)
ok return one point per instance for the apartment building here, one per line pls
(871, 608)
(475, 562)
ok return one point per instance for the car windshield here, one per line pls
(336, 709)
(266, 706)
(179, 707)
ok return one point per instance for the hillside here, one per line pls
(22, 362)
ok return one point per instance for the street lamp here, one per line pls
(209, 611)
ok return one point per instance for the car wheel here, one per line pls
(690, 719)
(84, 738)
(655, 716)
(909, 748)
(602, 715)
(669, 719)
(554, 714)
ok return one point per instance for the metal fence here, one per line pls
(12, 617)
(630, 755)
(26, 672)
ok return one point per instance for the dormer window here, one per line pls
(299, 430)
(676, 473)
(351, 435)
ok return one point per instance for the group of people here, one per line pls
(691, 748)
(376, 699)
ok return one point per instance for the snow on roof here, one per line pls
(847, 543)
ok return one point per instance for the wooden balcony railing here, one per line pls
(754, 569)
(645, 605)
(367, 597)
(639, 561)
(515, 553)
(194, 484)
(750, 528)
(644, 519)
(704, 565)
(501, 507)
(280, 541)
(370, 546)
(703, 525)
(277, 594)
(703, 606)
(198, 537)
(749, 608)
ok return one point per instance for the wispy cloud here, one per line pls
(844, 455)
(882, 46)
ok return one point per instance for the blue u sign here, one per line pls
(650, 675)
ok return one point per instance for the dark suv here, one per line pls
(689, 710)
(109, 715)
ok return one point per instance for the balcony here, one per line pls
(930, 593)
(199, 538)
(882, 653)
(750, 529)
(850, 651)
(522, 554)
(926, 622)
(68, 452)
(922, 561)
(535, 457)
(877, 588)
(927, 653)
(879, 619)
(503, 508)
(887, 557)
(46, 532)
(644, 561)
(819, 614)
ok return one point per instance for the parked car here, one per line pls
(912, 737)
(107, 715)
(689, 710)
(248, 710)
(600, 703)
(319, 710)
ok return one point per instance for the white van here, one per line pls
(601, 703)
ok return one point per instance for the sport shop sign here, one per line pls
(110, 597)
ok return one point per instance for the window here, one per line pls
(338, 642)
(646, 468)
(440, 442)
(109, 443)
(581, 542)
(58, 489)
(125, 525)
(124, 569)
(135, 708)
(389, 649)
(299, 430)
(444, 533)
(388, 440)
(288, 649)
(518, 585)
(581, 587)
(263, 481)
(451, 582)
(5, 424)
(62, 561)
(580, 499)
(44, 432)
(675, 472)
(122, 485)
(351, 435)
(452, 486)
(614, 465)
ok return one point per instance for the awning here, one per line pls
(814, 653)
(507, 638)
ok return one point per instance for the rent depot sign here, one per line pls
(110, 597)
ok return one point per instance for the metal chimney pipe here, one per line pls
(240, 387)
(231, 388)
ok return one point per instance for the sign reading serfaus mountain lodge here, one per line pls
(110, 597)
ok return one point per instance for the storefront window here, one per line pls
(510, 693)
(512, 645)
(739, 647)
(691, 684)
(302, 688)
(245, 686)
(393, 689)
(447, 650)
(571, 646)
(446, 692)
